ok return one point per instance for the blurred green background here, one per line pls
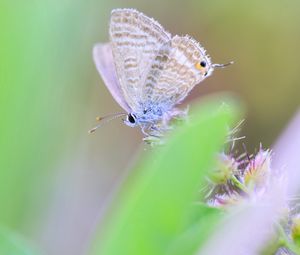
(54, 177)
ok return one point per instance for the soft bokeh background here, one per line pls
(54, 177)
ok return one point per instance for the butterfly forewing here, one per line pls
(177, 72)
(136, 40)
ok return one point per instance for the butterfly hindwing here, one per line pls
(178, 72)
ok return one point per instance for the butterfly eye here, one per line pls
(131, 118)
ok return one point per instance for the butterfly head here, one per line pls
(147, 115)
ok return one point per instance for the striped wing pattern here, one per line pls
(135, 40)
(175, 74)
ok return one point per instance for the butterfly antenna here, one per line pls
(222, 65)
(103, 120)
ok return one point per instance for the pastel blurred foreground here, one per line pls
(195, 195)
(168, 206)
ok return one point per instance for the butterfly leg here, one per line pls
(156, 131)
(148, 129)
(153, 134)
(144, 129)
(179, 114)
(174, 114)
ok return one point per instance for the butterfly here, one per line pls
(148, 71)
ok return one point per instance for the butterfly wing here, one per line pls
(103, 59)
(136, 40)
(176, 72)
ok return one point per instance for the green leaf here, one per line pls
(202, 223)
(155, 205)
(13, 244)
